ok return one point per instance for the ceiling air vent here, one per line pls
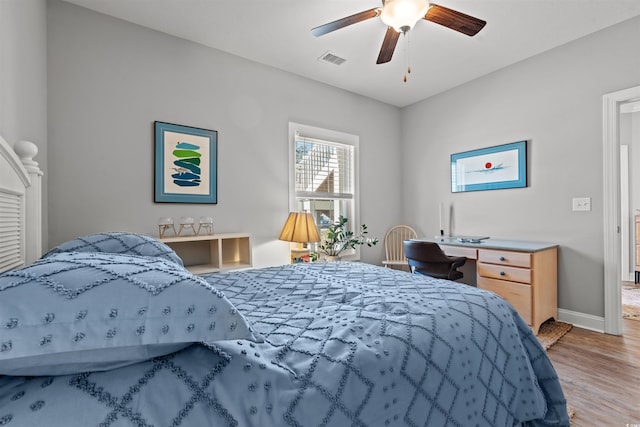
(331, 58)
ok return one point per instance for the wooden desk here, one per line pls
(523, 273)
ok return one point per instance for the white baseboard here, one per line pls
(582, 320)
(629, 277)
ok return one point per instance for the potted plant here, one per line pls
(339, 238)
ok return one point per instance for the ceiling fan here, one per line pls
(400, 16)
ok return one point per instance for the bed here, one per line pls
(110, 329)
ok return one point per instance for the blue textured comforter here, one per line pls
(337, 344)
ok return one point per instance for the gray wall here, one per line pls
(554, 101)
(109, 80)
(23, 79)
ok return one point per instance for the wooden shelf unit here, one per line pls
(212, 253)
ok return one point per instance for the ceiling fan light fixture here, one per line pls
(402, 15)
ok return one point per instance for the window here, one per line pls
(323, 176)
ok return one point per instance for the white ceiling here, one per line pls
(277, 33)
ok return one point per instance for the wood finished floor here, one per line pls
(600, 375)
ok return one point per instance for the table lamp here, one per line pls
(301, 228)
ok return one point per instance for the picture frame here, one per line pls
(491, 168)
(186, 164)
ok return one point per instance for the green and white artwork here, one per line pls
(185, 164)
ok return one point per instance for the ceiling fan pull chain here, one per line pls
(407, 59)
(408, 54)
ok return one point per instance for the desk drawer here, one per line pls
(469, 253)
(516, 294)
(515, 259)
(503, 272)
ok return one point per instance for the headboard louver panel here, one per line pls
(20, 205)
(10, 230)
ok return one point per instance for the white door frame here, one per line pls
(625, 232)
(611, 210)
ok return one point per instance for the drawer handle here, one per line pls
(502, 258)
(502, 273)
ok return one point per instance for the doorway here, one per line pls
(629, 185)
(612, 103)
(629, 204)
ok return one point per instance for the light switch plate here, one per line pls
(581, 203)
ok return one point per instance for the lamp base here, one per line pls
(300, 255)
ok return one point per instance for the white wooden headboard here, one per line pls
(20, 205)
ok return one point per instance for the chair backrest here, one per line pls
(428, 258)
(425, 252)
(393, 242)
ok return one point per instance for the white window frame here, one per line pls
(332, 136)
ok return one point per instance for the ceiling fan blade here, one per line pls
(388, 45)
(455, 20)
(344, 22)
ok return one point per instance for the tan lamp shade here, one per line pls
(300, 227)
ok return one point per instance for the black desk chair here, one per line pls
(428, 259)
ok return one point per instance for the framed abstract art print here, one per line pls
(492, 168)
(185, 164)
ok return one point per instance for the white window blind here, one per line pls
(323, 169)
